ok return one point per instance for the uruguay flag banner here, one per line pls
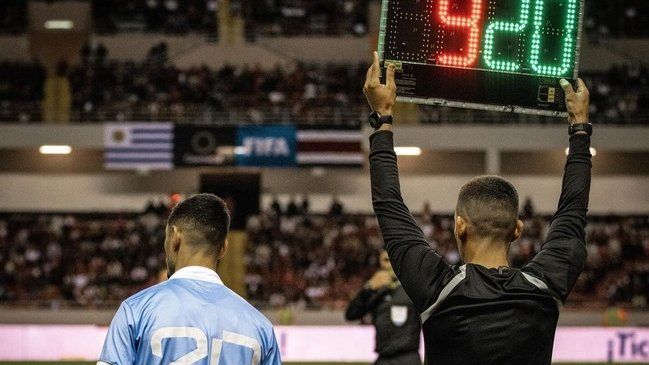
(138, 146)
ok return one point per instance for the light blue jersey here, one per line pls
(192, 318)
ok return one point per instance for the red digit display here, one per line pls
(468, 53)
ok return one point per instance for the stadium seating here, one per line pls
(107, 90)
(306, 260)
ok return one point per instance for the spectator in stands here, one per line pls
(292, 208)
(304, 206)
(93, 53)
(276, 207)
(336, 207)
(528, 209)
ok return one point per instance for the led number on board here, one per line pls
(539, 35)
(537, 40)
(506, 27)
(472, 23)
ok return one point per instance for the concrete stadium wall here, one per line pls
(130, 192)
(193, 50)
(531, 157)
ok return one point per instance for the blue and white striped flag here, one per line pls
(138, 146)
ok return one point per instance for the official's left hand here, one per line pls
(381, 97)
(577, 101)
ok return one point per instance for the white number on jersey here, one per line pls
(201, 350)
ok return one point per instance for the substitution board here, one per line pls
(506, 55)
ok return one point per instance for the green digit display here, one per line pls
(568, 38)
(508, 27)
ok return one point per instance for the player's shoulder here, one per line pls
(145, 295)
(242, 306)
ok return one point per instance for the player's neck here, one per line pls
(196, 260)
(487, 254)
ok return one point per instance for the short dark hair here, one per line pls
(490, 204)
(205, 220)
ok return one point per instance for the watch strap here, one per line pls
(577, 127)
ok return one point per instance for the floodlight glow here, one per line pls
(59, 24)
(593, 151)
(55, 150)
(407, 151)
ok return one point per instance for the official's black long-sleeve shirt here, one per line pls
(394, 317)
(472, 314)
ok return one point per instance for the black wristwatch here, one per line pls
(586, 127)
(376, 119)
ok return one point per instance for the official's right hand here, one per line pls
(576, 101)
(381, 97)
(380, 279)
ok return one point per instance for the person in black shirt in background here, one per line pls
(483, 312)
(398, 330)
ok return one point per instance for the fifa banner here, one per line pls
(266, 146)
(318, 343)
(163, 146)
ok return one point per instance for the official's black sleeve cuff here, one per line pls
(579, 143)
(381, 140)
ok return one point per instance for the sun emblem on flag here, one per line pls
(118, 136)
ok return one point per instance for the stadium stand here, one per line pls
(623, 19)
(158, 87)
(312, 261)
(13, 17)
(626, 19)
(107, 90)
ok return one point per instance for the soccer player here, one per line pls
(396, 322)
(192, 318)
(483, 311)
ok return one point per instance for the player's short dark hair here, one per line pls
(204, 219)
(490, 205)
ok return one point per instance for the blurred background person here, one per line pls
(398, 329)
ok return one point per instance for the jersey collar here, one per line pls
(197, 273)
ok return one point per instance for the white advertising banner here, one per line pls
(317, 343)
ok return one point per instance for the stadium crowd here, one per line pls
(154, 91)
(619, 19)
(160, 16)
(292, 258)
(105, 90)
(267, 18)
(21, 91)
(270, 18)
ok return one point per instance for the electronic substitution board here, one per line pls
(503, 55)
